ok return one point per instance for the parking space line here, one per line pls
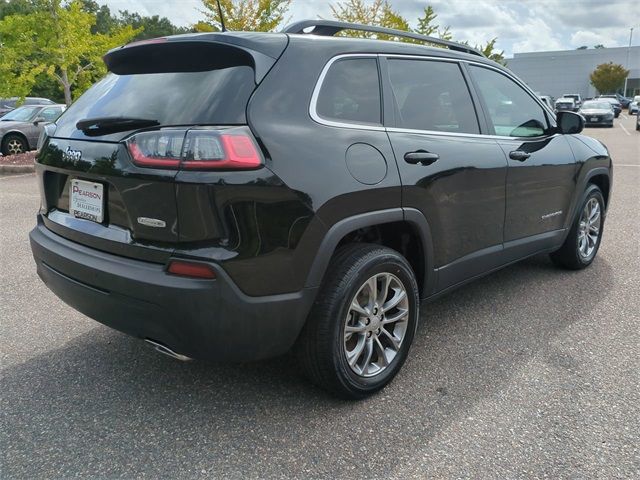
(7, 177)
(625, 117)
(625, 165)
(625, 130)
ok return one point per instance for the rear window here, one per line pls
(350, 92)
(178, 98)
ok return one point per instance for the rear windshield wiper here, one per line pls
(107, 125)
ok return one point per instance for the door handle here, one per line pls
(519, 155)
(421, 156)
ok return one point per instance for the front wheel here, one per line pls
(583, 241)
(360, 329)
(13, 145)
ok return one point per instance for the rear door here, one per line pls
(541, 174)
(449, 171)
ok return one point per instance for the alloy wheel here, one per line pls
(14, 146)
(376, 324)
(589, 228)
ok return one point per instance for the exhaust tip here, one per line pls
(159, 347)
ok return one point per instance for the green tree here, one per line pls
(427, 27)
(16, 7)
(583, 47)
(489, 50)
(151, 27)
(243, 15)
(598, 46)
(55, 40)
(105, 21)
(377, 14)
(608, 77)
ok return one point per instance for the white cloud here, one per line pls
(519, 26)
(590, 38)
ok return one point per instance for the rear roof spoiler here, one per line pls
(197, 52)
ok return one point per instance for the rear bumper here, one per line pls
(206, 319)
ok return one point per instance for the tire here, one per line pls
(12, 143)
(324, 343)
(573, 255)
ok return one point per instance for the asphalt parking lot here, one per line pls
(531, 372)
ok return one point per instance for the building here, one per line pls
(567, 71)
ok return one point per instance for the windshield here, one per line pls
(21, 114)
(183, 98)
(596, 106)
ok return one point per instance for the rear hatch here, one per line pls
(108, 166)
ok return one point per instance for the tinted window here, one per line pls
(512, 110)
(37, 101)
(184, 98)
(8, 102)
(432, 96)
(350, 92)
(50, 114)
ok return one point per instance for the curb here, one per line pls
(5, 169)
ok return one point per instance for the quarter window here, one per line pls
(350, 92)
(432, 95)
(513, 112)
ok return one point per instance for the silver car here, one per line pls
(20, 128)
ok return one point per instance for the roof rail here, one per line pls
(331, 27)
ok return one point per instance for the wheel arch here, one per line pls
(602, 179)
(392, 227)
(17, 133)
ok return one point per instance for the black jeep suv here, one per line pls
(232, 196)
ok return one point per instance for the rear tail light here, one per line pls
(195, 149)
(191, 269)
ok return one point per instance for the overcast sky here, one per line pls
(520, 26)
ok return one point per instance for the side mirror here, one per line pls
(569, 122)
(39, 120)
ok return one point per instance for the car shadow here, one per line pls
(107, 405)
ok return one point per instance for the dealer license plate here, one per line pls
(594, 119)
(86, 200)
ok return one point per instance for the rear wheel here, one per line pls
(13, 145)
(583, 241)
(360, 329)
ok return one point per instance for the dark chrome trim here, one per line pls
(379, 128)
(329, 28)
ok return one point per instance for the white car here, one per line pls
(634, 105)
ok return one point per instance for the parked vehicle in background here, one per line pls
(597, 112)
(8, 104)
(577, 99)
(20, 128)
(624, 101)
(565, 104)
(634, 106)
(547, 100)
(615, 104)
(273, 203)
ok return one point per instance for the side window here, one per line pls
(432, 95)
(350, 92)
(512, 110)
(50, 114)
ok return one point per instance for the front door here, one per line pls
(541, 174)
